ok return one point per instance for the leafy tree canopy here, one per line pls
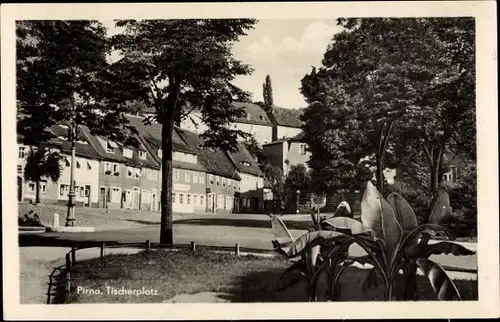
(419, 72)
(61, 64)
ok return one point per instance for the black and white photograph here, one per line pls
(340, 154)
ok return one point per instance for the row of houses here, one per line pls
(113, 175)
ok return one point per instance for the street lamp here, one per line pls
(70, 219)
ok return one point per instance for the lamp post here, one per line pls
(298, 201)
(70, 219)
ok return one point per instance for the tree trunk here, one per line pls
(435, 168)
(380, 173)
(37, 192)
(166, 233)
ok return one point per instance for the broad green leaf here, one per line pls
(343, 210)
(444, 288)
(371, 210)
(346, 224)
(314, 253)
(403, 211)
(313, 238)
(445, 248)
(392, 231)
(283, 236)
(440, 208)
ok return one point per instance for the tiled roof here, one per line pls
(255, 114)
(245, 162)
(287, 116)
(215, 161)
(152, 133)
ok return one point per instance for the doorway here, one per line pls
(19, 189)
(103, 197)
(87, 195)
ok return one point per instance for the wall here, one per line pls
(251, 194)
(288, 132)
(294, 156)
(86, 176)
(262, 133)
(188, 123)
(150, 191)
(221, 197)
(189, 191)
(274, 153)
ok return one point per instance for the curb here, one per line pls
(71, 229)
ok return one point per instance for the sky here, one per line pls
(284, 49)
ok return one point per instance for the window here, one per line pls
(43, 187)
(31, 187)
(195, 178)
(155, 175)
(224, 181)
(89, 167)
(201, 179)
(211, 178)
(195, 199)
(82, 192)
(115, 195)
(78, 165)
(110, 147)
(217, 179)
(187, 177)
(63, 189)
(142, 155)
(201, 200)
(87, 192)
(19, 169)
(115, 167)
(127, 153)
(188, 199)
(129, 172)
(176, 175)
(173, 197)
(77, 189)
(22, 152)
(181, 197)
(303, 149)
(137, 173)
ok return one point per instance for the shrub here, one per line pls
(30, 219)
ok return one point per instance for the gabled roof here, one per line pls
(254, 114)
(287, 116)
(215, 161)
(152, 134)
(244, 161)
(117, 155)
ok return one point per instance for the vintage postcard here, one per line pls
(250, 160)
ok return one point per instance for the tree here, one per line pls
(276, 179)
(298, 178)
(62, 75)
(179, 65)
(254, 148)
(267, 93)
(416, 72)
(42, 163)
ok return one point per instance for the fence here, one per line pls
(71, 258)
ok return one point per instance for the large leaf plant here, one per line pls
(390, 235)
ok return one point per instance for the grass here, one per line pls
(240, 279)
